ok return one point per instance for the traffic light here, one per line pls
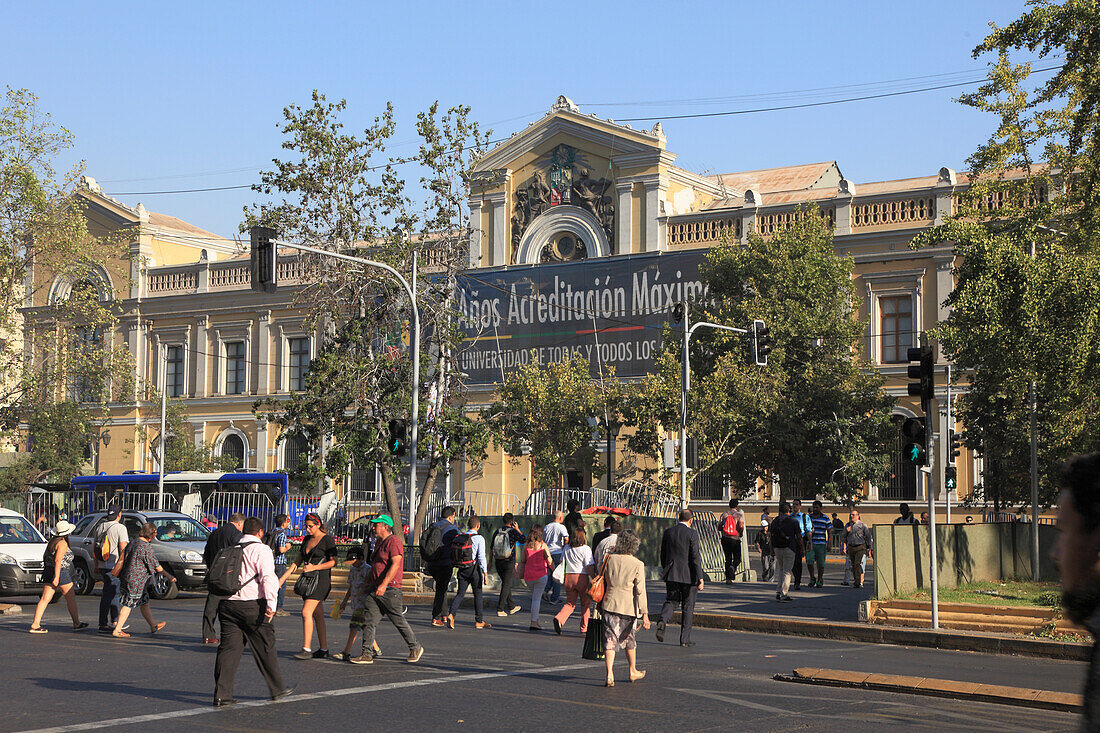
(398, 441)
(922, 371)
(265, 273)
(956, 447)
(761, 342)
(950, 478)
(916, 441)
(676, 315)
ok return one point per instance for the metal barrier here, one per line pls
(990, 517)
(647, 500)
(710, 544)
(221, 504)
(543, 502)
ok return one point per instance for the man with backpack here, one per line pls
(468, 557)
(786, 540)
(221, 538)
(245, 574)
(504, 544)
(279, 542)
(732, 525)
(109, 552)
(435, 551)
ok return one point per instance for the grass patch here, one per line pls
(993, 593)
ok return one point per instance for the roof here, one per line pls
(786, 178)
(171, 222)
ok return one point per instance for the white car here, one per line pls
(21, 549)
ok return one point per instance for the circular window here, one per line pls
(564, 247)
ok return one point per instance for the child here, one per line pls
(356, 593)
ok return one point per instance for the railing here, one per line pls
(989, 516)
(772, 223)
(181, 281)
(919, 211)
(221, 504)
(647, 501)
(234, 276)
(710, 545)
(703, 230)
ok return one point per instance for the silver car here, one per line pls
(178, 545)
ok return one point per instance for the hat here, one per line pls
(355, 551)
(63, 528)
(384, 519)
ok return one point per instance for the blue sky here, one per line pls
(188, 95)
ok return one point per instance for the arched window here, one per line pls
(295, 449)
(232, 445)
(901, 483)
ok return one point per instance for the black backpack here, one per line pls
(462, 551)
(431, 544)
(224, 574)
(780, 532)
(269, 540)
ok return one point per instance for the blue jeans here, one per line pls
(280, 568)
(553, 586)
(108, 602)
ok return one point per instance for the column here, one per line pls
(260, 463)
(476, 235)
(200, 433)
(135, 339)
(202, 349)
(155, 367)
(263, 353)
(625, 215)
(654, 196)
(217, 386)
(844, 194)
(500, 228)
(945, 283)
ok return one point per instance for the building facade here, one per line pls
(569, 189)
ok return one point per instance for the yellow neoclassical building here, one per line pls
(585, 231)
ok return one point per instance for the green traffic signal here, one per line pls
(950, 478)
(914, 453)
(396, 443)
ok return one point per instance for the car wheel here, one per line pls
(83, 582)
(163, 589)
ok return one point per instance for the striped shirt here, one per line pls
(821, 526)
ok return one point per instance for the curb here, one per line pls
(974, 691)
(875, 634)
(9, 609)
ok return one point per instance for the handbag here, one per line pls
(593, 639)
(597, 588)
(306, 584)
(559, 572)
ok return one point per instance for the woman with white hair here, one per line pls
(624, 603)
(57, 563)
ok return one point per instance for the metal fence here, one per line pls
(990, 516)
(710, 544)
(647, 500)
(221, 504)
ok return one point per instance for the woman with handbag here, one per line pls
(57, 563)
(577, 562)
(537, 566)
(316, 557)
(138, 569)
(623, 604)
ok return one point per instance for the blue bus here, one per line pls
(217, 495)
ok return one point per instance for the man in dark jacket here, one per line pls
(440, 568)
(604, 533)
(574, 519)
(682, 571)
(225, 536)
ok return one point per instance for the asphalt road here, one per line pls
(503, 679)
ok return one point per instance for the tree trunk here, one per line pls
(425, 494)
(393, 506)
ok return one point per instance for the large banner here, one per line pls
(609, 310)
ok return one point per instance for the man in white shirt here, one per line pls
(556, 536)
(247, 615)
(109, 567)
(472, 575)
(607, 544)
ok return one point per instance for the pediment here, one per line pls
(589, 134)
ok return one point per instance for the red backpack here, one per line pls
(730, 525)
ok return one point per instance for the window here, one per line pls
(299, 363)
(232, 445)
(234, 368)
(174, 371)
(86, 383)
(296, 448)
(896, 328)
(901, 482)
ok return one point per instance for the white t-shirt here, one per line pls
(576, 559)
(606, 545)
(556, 536)
(116, 535)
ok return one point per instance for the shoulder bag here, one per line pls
(306, 584)
(596, 586)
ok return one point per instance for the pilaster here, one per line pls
(477, 236)
(624, 215)
(499, 244)
(202, 353)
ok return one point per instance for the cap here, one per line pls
(384, 519)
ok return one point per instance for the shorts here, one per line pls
(817, 555)
(64, 577)
(358, 619)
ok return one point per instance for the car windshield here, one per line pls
(17, 530)
(182, 529)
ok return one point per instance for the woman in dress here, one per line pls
(624, 603)
(317, 555)
(577, 559)
(138, 570)
(57, 563)
(537, 566)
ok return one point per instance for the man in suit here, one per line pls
(682, 571)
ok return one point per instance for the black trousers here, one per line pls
(442, 577)
(209, 613)
(241, 621)
(469, 578)
(731, 546)
(682, 595)
(506, 569)
(799, 555)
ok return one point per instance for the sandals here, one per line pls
(120, 635)
(39, 630)
(80, 626)
(158, 627)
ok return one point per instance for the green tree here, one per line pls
(1026, 303)
(58, 435)
(817, 414)
(545, 412)
(340, 194)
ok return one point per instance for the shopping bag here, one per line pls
(593, 639)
